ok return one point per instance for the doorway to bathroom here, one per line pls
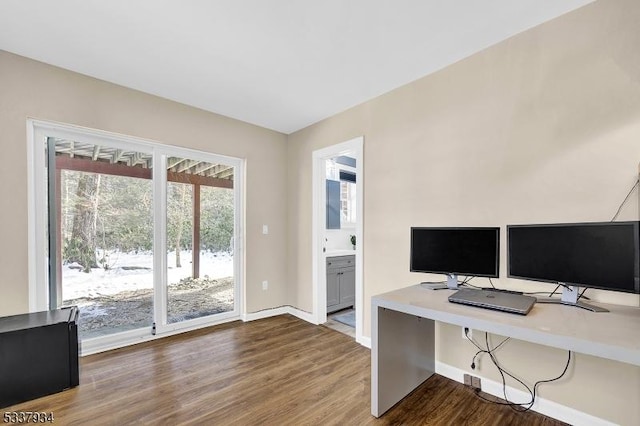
(337, 237)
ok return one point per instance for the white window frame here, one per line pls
(346, 221)
(37, 132)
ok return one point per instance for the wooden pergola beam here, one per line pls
(199, 180)
(117, 169)
(102, 167)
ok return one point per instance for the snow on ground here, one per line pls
(134, 271)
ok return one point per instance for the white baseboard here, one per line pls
(364, 341)
(281, 310)
(266, 313)
(541, 405)
(303, 315)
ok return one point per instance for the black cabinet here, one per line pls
(38, 354)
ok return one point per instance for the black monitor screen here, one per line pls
(601, 255)
(460, 251)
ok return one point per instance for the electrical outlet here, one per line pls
(475, 383)
(265, 285)
(468, 331)
(467, 379)
(472, 381)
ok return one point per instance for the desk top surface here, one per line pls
(613, 335)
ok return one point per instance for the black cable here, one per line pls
(625, 200)
(554, 291)
(527, 406)
(557, 287)
(465, 283)
(466, 334)
(535, 385)
(473, 361)
(504, 388)
(471, 285)
(520, 407)
(491, 282)
(502, 372)
(581, 294)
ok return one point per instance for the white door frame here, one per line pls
(354, 148)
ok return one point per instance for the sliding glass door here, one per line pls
(142, 237)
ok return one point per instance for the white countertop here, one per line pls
(347, 252)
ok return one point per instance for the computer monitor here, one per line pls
(604, 255)
(455, 251)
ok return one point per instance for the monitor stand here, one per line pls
(570, 297)
(452, 283)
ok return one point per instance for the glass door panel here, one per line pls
(104, 238)
(200, 234)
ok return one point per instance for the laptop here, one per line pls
(497, 300)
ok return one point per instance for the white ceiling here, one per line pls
(280, 64)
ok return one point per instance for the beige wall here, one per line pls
(32, 89)
(543, 127)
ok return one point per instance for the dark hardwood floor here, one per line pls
(275, 371)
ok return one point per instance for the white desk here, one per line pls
(403, 335)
